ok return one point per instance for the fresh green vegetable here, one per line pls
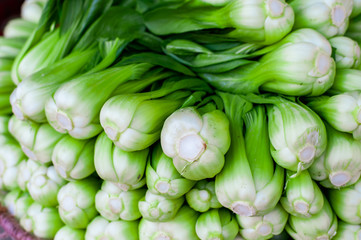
(134, 121)
(77, 202)
(346, 202)
(49, 44)
(346, 80)
(328, 17)
(157, 208)
(29, 98)
(26, 169)
(44, 185)
(163, 178)
(196, 138)
(100, 228)
(19, 27)
(181, 227)
(263, 22)
(10, 157)
(36, 140)
(44, 222)
(323, 225)
(18, 202)
(246, 166)
(73, 159)
(348, 231)
(264, 226)
(342, 111)
(202, 196)
(75, 106)
(340, 165)
(302, 197)
(298, 68)
(217, 224)
(114, 203)
(66, 233)
(347, 52)
(126, 169)
(296, 133)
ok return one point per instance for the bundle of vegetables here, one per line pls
(182, 119)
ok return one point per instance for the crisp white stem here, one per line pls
(264, 229)
(276, 8)
(243, 209)
(339, 179)
(338, 15)
(307, 154)
(17, 111)
(68, 203)
(154, 212)
(115, 205)
(204, 195)
(301, 207)
(64, 121)
(191, 147)
(162, 187)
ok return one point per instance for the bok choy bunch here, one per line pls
(73, 159)
(202, 196)
(38, 219)
(100, 228)
(11, 157)
(126, 169)
(342, 111)
(181, 227)
(217, 224)
(134, 121)
(114, 203)
(162, 177)
(340, 164)
(346, 202)
(297, 66)
(247, 166)
(328, 17)
(196, 138)
(296, 133)
(77, 202)
(157, 208)
(36, 140)
(263, 226)
(302, 197)
(263, 22)
(322, 225)
(44, 185)
(67, 232)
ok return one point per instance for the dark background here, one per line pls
(9, 9)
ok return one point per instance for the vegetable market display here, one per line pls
(182, 119)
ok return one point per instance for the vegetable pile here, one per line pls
(182, 119)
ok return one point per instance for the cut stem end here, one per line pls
(191, 147)
(340, 179)
(243, 209)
